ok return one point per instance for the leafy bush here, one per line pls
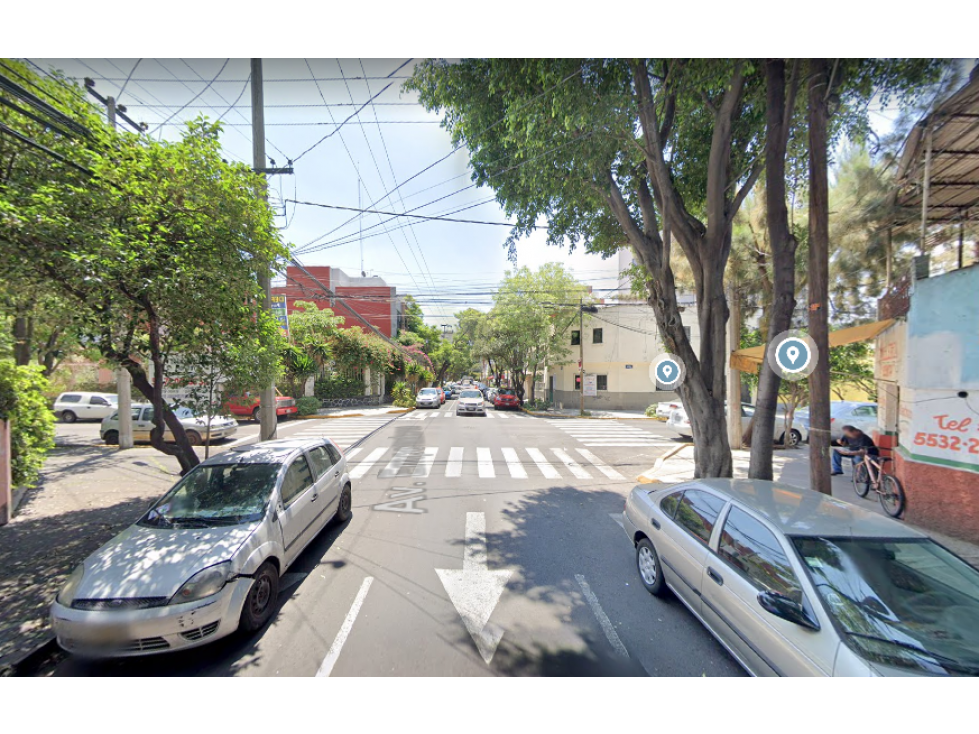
(651, 411)
(338, 386)
(403, 395)
(308, 406)
(537, 404)
(22, 402)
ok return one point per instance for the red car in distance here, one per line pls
(506, 398)
(247, 405)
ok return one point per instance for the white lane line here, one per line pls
(397, 461)
(617, 519)
(450, 413)
(599, 464)
(424, 467)
(353, 452)
(453, 467)
(501, 415)
(546, 469)
(573, 466)
(602, 618)
(490, 414)
(365, 466)
(484, 463)
(326, 667)
(513, 464)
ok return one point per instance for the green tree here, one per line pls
(644, 152)
(157, 254)
(22, 402)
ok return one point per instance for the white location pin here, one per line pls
(667, 370)
(793, 353)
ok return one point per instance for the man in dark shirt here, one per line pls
(854, 443)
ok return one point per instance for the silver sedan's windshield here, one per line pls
(216, 494)
(906, 603)
(471, 394)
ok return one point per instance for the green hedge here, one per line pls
(308, 406)
(22, 401)
(336, 386)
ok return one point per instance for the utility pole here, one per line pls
(581, 355)
(266, 410)
(819, 432)
(734, 434)
(124, 381)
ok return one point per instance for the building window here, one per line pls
(601, 382)
(577, 382)
(575, 338)
(596, 337)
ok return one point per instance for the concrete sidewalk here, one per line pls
(792, 467)
(87, 494)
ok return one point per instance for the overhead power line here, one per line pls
(191, 101)
(353, 115)
(410, 216)
(116, 80)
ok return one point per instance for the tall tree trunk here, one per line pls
(23, 336)
(819, 464)
(783, 246)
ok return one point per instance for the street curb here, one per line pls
(399, 411)
(30, 661)
(644, 479)
(559, 416)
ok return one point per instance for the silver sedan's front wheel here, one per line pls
(650, 571)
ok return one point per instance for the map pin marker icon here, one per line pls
(793, 353)
(667, 370)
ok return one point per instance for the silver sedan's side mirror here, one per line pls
(786, 608)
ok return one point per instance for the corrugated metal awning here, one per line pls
(750, 359)
(953, 129)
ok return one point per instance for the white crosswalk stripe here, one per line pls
(484, 463)
(513, 463)
(599, 464)
(352, 453)
(365, 466)
(397, 461)
(343, 431)
(424, 466)
(573, 466)
(543, 464)
(420, 462)
(453, 467)
(607, 433)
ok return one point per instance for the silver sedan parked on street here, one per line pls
(207, 557)
(795, 583)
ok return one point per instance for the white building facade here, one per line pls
(619, 343)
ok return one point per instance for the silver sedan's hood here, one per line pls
(141, 562)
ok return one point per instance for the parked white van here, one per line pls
(85, 406)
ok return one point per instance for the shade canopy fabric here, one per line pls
(750, 359)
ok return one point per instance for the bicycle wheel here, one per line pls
(891, 495)
(861, 479)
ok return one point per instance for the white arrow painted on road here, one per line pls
(476, 590)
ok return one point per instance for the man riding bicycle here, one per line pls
(855, 444)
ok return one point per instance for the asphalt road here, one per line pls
(478, 546)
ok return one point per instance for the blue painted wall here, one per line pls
(943, 332)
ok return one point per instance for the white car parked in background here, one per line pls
(680, 422)
(82, 406)
(194, 426)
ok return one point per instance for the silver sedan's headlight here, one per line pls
(67, 594)
(203, 583)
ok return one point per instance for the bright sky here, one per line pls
(441, 263)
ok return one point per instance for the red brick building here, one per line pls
(371, 297)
